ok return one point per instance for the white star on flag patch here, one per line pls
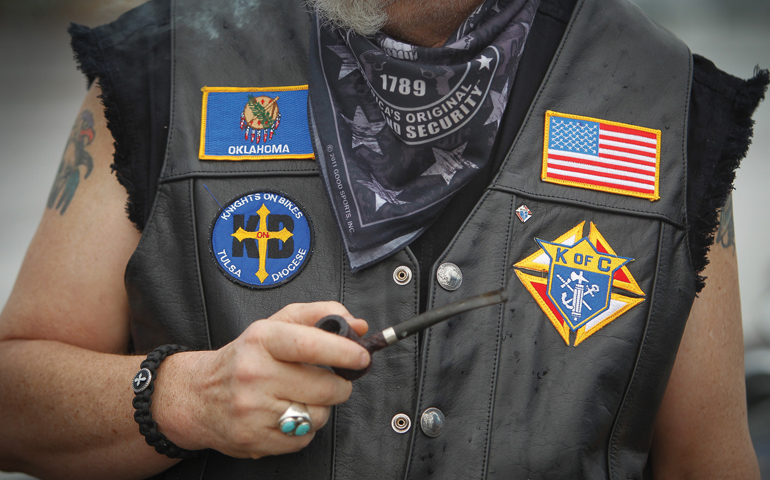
(601, 155)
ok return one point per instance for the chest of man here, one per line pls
(565, 378)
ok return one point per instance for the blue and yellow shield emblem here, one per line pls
(580, 280)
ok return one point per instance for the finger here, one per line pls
(278, 443)
(360, 326)
(303, 344)
(312, 385)
(318, 414)
(310, 313)
(259, 433)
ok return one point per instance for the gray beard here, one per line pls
(365, 17)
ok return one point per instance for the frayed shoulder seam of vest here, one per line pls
(747, 97)
(90, 61)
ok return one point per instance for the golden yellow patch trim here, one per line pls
(531, 263)
(528, 281)
(562, 327)
(233, 158)
(544, 173)
(630, 302)
(594, 236)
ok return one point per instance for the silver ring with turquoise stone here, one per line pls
(295, 420)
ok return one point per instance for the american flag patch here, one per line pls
(601, 155)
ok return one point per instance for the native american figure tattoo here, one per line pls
(75, 162)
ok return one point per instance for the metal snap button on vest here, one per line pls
(449, 276)
(401, 423)
(402, 275)
(432, 422)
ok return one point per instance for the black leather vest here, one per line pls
(520, 402)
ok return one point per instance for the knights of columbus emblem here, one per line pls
(576, 292)
(260, 118)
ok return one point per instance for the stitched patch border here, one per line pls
(296, 135)
(536, 283)
(606, 169)
(248, 273)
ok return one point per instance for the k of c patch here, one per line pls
(576, 292)
(262, 239)
(255, 124)
(601, 155)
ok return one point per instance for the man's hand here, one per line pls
(65, 396)
(230, 400)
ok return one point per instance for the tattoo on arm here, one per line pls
(726, 231)
(75, 156)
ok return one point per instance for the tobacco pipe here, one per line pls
(389, 336)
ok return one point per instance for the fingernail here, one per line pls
(364, 361)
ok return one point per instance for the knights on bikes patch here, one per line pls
(262, 239)
(576, 292)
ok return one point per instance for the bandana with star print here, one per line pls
(399, 128)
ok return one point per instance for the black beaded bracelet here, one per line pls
(143, 385)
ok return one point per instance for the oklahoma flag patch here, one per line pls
(601, 155)
(255, 124)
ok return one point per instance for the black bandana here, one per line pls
(399, 129)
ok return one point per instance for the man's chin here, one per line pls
(365, 17)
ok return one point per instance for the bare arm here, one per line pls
(702, 430)
(63, 394)
(65, 401)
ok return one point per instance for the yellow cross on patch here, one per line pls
(262, 235)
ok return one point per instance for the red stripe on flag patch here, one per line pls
(628, 129)
(649, 163)
(601, 155)
(616, 150)
(592, 163)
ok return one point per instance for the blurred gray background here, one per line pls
(41, 92)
